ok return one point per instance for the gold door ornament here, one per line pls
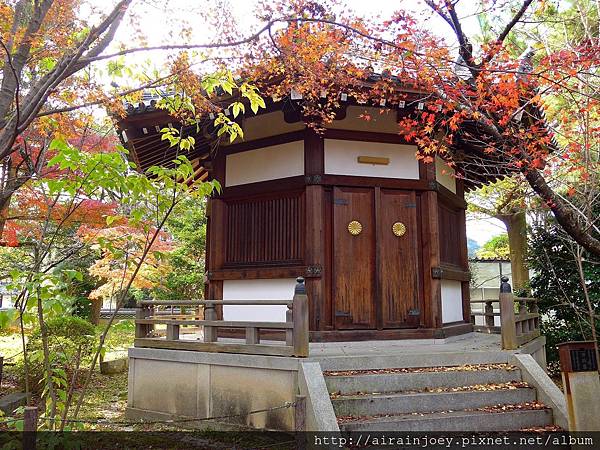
(354, 227)
(399, 229)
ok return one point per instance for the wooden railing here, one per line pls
(489, 315)
(519, 317)
(203, 316)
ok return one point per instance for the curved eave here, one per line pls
(140, 133)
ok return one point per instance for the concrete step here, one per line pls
(414, 381)
(417, 359)
(10, 402)
(427, 402)
(510, 420)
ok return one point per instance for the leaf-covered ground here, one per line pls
(463, 368)
(511, 385)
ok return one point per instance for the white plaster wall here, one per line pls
(270, 124)
(268, 163)
(341, 158)
(381, 120)
(276, 289)
(452, 310)
(445, 174)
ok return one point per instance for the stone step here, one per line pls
(10, 402)
(414, 381)
(426, 402)
(510, 420)
(417, 359)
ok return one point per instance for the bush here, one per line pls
(557, 332)
(557, 285)
(82, 307)
(71, 342)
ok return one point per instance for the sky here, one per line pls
(160, 20)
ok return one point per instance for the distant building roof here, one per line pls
(495, 260)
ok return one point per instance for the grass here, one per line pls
(119, 339)
(107, 394)
(12, 350)
(106, 399)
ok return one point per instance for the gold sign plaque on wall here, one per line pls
(399, 229)
(373, 160)
(354, 227)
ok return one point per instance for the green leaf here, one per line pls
(111, 219)
(237, 107)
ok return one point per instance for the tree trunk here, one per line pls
(516, 227)
(3, 215)
(95, 312)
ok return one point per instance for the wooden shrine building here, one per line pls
(379, 236)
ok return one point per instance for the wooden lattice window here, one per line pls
(265, 231)
(450, 235)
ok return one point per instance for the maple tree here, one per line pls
(565, 277)
(121, 249)
(101, 203)
(485, 112)
(564, 282)
(488, 102)
(56, 64)
(45, 45)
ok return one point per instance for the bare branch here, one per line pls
(507, 29)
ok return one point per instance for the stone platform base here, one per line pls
(177, 383)
(174, 384)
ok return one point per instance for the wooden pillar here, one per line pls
(464, 253)
(314, 226)
(216, 250)
(430, 238)
(216, 231)
(210, 333)
(143, 312)
(315, 255)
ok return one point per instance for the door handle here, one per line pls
(343, 314)
(399, 229)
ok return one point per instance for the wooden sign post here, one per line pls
(579, 368)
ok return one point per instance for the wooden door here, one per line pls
(397, 259)
(353, 274)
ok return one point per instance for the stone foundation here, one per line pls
(177, 383)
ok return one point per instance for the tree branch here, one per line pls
(67, 66)
(10, 80)
(565, 215)
(510, 25)
(507, 29)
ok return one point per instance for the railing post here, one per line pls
(489, 319)
(210, 333)
(252, 335)
(300, 422)
(300, 319)
(535, 309)
(142, 330)
(30, 423)
(289, 318)
(172, 332)
(507, 316)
